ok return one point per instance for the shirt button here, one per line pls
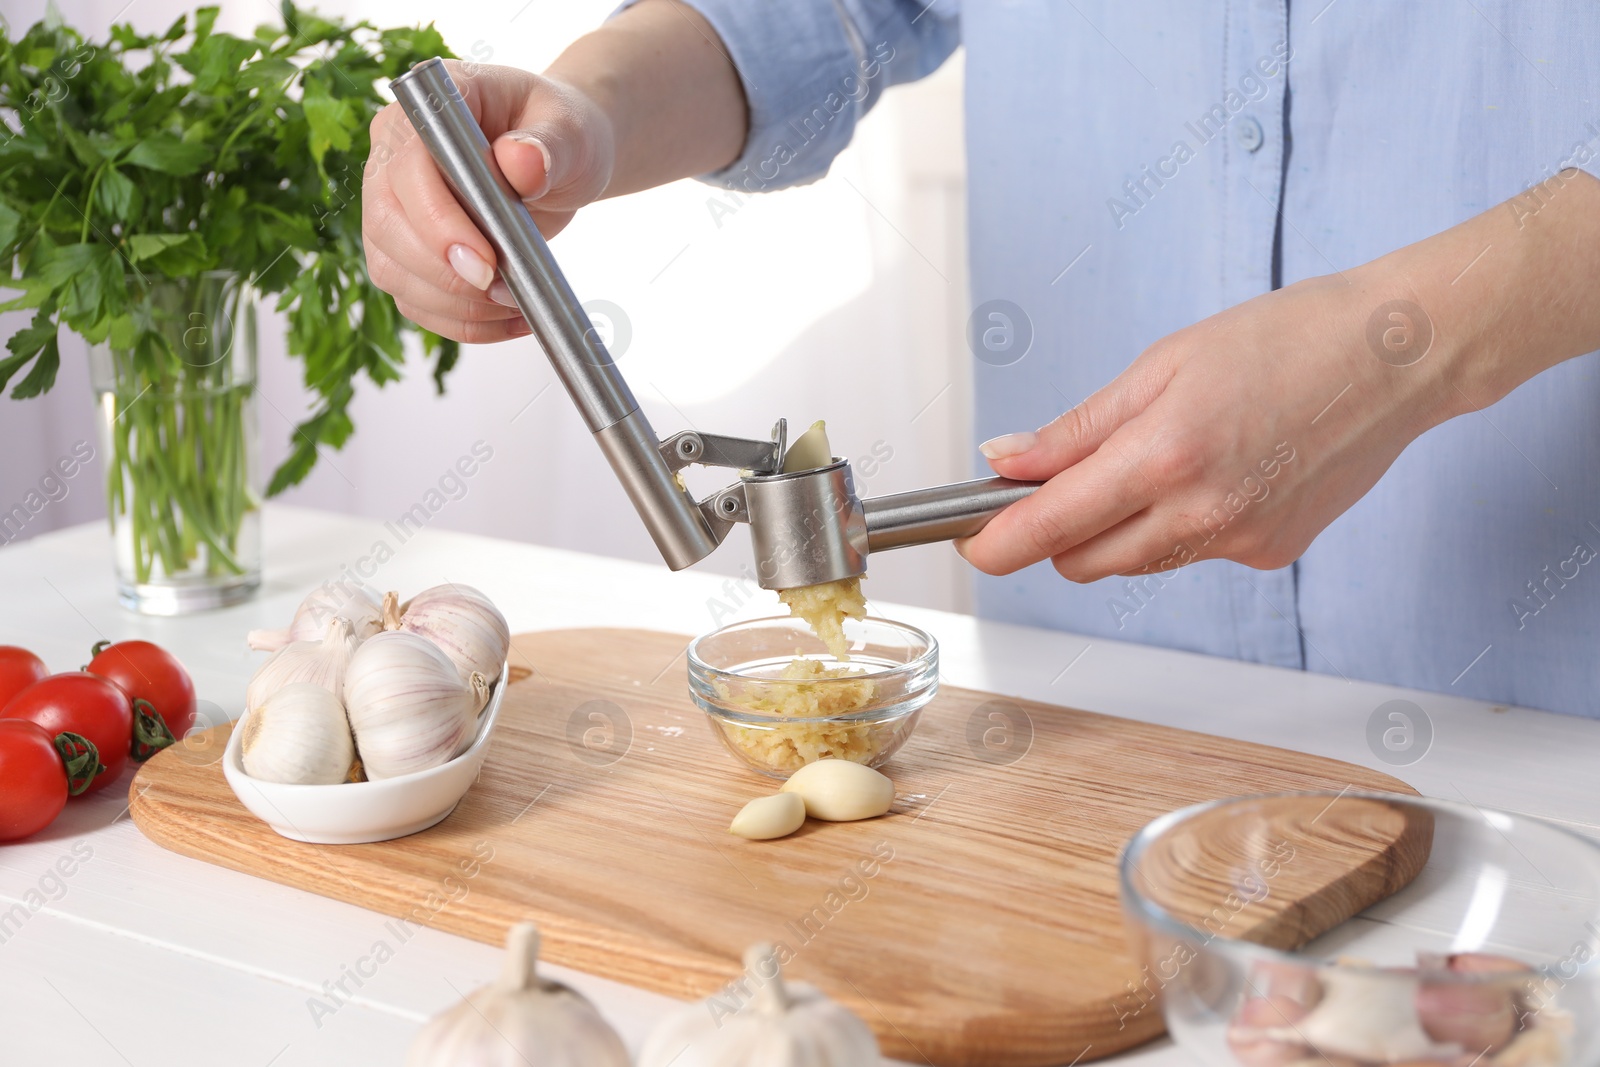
(1248, 133)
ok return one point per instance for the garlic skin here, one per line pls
(520, 1020)
(408, 708)
(838, 790)
(321, 662)
(356, 603)
(463, 622)
(782, 1025)
(298, 736)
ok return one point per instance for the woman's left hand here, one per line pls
(1242, 436)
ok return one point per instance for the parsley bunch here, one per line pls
(145, 158)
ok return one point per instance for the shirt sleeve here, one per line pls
(812, 69)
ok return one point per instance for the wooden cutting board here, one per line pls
(976, 924)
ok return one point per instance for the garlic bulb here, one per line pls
(298, 735)
(408, 707)
(354, 602)
(521, 1019)
(460, 620)
(780, 1025)
(321, 662)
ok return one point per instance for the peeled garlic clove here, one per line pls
(321, 662)
(347, 600)
(765, 818)
(809, 451)
(838, 790)
(522, 1019)
(761, 1019)
(299, 736)
(408, 707)
(463, 622)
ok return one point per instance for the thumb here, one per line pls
(526, 161)
(554, 153)
(1038, 455)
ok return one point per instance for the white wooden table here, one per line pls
(143, 957)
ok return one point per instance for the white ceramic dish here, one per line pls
(355, 813)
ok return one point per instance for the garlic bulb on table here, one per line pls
(299, 736)
(520, 1020)
(408, 708)
(463, 622)
(320, 662)
(356, 603)
(782, 1025)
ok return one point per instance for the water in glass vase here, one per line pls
(178, 429)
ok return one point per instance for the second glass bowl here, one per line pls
(777, 715)
(1357, 929)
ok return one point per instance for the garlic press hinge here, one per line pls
(727, 506)
(687, 448)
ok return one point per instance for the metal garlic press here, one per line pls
(806, 526)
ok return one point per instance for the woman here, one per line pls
(1335, 231)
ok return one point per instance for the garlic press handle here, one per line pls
(941, 513)
(683, 531)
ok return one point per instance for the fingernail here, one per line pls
(500, 293)
(524, 137)
(471, 266)
(519, 328)
(1011, 444)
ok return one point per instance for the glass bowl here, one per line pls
(1351, 929)
(779, 724)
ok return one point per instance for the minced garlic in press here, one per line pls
(825, 607)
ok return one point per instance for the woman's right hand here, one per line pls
(556, 148)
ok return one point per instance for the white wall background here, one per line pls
(843, 300)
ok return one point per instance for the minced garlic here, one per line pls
(825, 607)
(794, 692)
(784, 748)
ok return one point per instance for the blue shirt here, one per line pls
(1128, 163)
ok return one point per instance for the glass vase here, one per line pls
(178, 428)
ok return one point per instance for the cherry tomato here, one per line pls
(149, 672)
(19, 669)
(84, 704)
(33, 780)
